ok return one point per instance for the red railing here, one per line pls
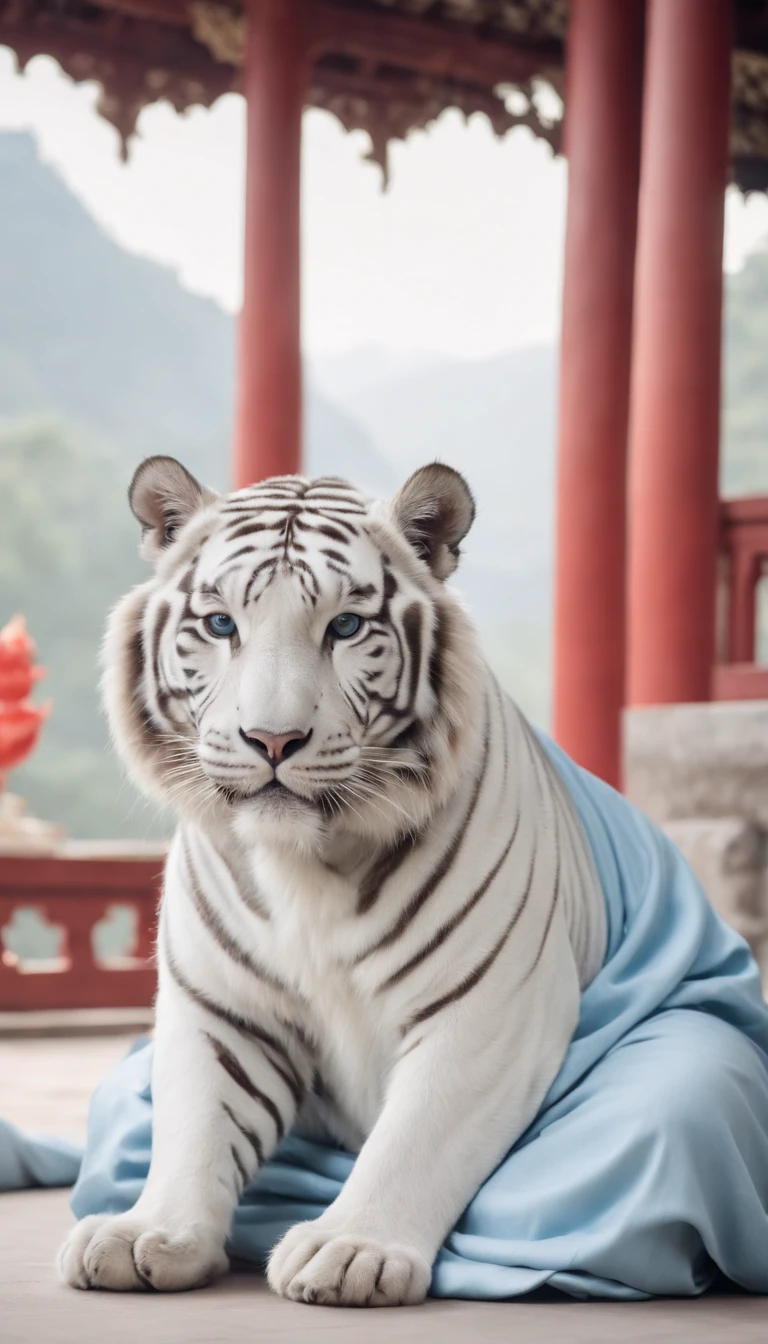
(743, 562)
(72, 892)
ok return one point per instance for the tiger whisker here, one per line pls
(383, 797)
(370, 796)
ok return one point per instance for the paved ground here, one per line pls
(34, 1307)
(45, 1084)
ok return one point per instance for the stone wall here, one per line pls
(701, 772)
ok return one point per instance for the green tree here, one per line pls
(68, 550)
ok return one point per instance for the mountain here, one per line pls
(68, 549)
(108, 338)
(336, 445)
(104, 358)
(351, 372)
(112, 359)
(112, 342)
(492, 419)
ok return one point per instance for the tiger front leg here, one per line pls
(461, 1094)
(221, 1103)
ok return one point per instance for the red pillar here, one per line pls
(603, 102)
(268, 433)
(675, 416)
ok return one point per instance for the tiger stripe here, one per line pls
(249, 1134)
(237, 1073)
(475, 976)
(438, 873)
(242, 1173)
(210, 917)
(438, 937)
(283, 1065)
(379, 873)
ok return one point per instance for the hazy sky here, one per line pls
(461, 256)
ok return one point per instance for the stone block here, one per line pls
(709, 760)
(730, 858)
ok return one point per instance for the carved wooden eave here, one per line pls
(387, 67)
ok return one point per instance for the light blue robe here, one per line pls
(646, 1169)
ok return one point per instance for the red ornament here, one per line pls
(20, 719)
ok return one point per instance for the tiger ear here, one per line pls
(163, 496)
(434, 510)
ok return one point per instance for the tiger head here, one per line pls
(296, 664)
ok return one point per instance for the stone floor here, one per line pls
(45, 1084)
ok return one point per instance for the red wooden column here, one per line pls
(603, 102)
(675, 417)
(268, 433)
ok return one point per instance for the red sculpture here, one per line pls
(20, 719)
(20, 724)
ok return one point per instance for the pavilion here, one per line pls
(665, 102)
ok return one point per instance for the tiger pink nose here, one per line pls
(274, 746)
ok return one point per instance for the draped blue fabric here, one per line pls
(646, 1169)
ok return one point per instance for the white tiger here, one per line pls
(379, 906)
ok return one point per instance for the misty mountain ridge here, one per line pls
(492, 419)
(351, 372)
(105, 358)
(112, 342)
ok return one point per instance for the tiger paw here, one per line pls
(126, 1253)
(316, 1264)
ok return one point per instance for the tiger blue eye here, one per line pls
(220, 625)
(346, 625)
